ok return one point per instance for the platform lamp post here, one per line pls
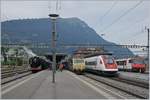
(53, 18)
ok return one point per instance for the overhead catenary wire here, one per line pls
(49, 6)
(54, 6)
(134, 36)
(57, 5)
(124, 14)
(138, 22)
(109, 10)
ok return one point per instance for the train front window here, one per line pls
(109, 61)
(121, 62)
(130, 61)
(78, 61)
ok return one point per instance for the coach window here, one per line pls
(91, 63)
(130, 61)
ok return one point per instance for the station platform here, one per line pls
(39, 86)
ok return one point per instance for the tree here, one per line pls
(3, 52)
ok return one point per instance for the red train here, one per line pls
(131, 64)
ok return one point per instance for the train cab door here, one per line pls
(95, 67)
(100, 64)
(129, 64)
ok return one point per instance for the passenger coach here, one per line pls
(104, 63)
(131, 64)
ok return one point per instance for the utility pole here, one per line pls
(148, 46)
(53, 43)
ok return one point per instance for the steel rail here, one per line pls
(118, 86)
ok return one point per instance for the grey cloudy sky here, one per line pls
(122, 22)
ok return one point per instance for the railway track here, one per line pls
(14, 77)
(10, 74)
(136, 83)
(123, 85)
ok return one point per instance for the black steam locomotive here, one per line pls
(38, 64)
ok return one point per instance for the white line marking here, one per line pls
(11, 88)
(93, 87)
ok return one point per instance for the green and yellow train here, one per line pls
(78, 65)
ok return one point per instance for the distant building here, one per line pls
(139, 51)
(82, 52)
